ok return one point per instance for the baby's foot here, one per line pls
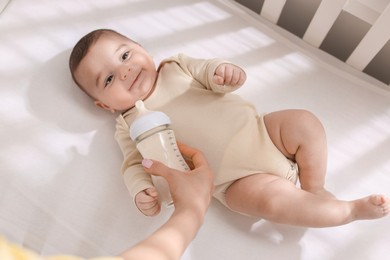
(371, 207)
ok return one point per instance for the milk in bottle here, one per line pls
(156, 140)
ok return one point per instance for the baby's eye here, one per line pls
(108, 80)
(125, 56)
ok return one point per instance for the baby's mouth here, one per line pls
(134, 81)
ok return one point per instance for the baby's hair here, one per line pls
(81, 49)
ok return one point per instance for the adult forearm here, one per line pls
(171, 239)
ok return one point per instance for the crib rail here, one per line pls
(355, 31)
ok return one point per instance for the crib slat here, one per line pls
(322, 22)
(362, 11)
(272, 9)
(373, 41)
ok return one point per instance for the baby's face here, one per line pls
(117, 72)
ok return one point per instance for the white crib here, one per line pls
(355, 31)
(60, 185)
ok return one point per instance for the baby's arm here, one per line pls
(217, 75)
(137, 181)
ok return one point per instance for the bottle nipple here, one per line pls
(146, 120)
(140, 105)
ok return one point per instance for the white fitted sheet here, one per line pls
(60, 186)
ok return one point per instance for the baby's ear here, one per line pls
(104, 106)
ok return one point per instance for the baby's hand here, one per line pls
(146, 201)
(230, 75)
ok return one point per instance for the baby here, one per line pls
(255, 158)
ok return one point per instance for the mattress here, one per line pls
(60, 182)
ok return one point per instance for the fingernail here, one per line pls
(147, 163)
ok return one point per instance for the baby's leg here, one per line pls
(278, 200)
(300, 136)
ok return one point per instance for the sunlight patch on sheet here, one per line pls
(17, 55)
(86, 6)
(175, 19)
(275, 71)
(225, 45)
(233, 44)
(362, 140)
(29, 11)
(45, 22)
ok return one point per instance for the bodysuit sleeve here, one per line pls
(202, 70)
(135, 178)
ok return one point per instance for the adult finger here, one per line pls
(193, 154)
(157, 168)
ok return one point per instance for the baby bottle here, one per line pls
(156, 140)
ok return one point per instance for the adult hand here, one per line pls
(192, 189)
(191, 193)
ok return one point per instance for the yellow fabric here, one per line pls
(9, 251)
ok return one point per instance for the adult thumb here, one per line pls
(156, 168)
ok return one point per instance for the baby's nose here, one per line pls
(124, 72)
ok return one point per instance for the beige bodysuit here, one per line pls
(226, 128)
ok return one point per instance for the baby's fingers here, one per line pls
(150, 209)
(218, 80)
(151, 192)
(147, 202)
(230, 75)
(235, 76)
